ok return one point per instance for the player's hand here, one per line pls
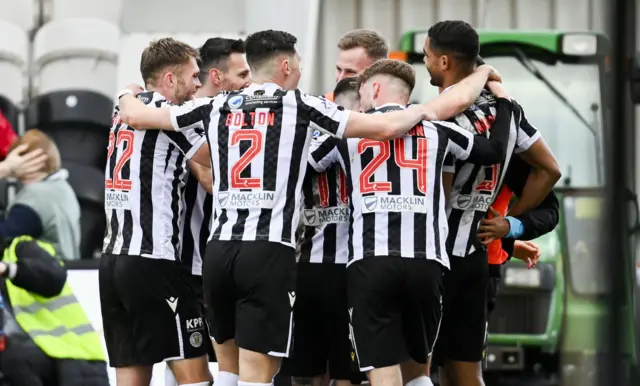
(135, 88)
(20, 163)
(493, 228)
(498, 89)
(494, 75)
(526, 251)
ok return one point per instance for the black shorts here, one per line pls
(395, 306)
(464, 319)
(197, 287)
(150, 311)
(493, 286)
(249, 292)
(321, 329)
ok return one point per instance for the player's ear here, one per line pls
(169, 78)
(376, 90)
(216, 76)
(285, 66)
(445, 62)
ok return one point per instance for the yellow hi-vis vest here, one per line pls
(58, 325)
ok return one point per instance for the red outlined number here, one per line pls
(491, 179)
(419, 163)
(323, 188)
(126, 137)
(255, 136)
(366, 185)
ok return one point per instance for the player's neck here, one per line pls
(454, 78)
(391, 98)
(166, 93)
(259, 78)
(208, 90)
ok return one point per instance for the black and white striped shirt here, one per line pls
(144, 180)
(197, 224)
(396, 196)
(259, 139)
(325, 217)
(475, 187)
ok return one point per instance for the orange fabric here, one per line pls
(329, 96)
(501, 204)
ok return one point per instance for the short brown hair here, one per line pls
(373, 44)
(162, 53)
(395, 68)
(36, 139)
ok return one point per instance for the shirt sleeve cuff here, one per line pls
(343, 123)
(516, 227)
(526, 144)
(195, 147)
(173, 113)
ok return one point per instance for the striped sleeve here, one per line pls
(191, 114)
(527, 133)
(188, 142)
(323, 114)
(460, 141)
(323, 152)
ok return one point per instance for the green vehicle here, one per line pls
(548, 320)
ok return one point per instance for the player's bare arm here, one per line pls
(385, 127)
(541, 180)
(546, 171)
(203, 175)
(447, 184)
(464, 94)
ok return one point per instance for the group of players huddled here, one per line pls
(350, 237)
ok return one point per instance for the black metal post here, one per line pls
(615, 251)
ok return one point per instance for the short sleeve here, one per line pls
(192, 114)
(188, 141)
(323, 151)
(323, 114)
(527, 133)
(460, 141)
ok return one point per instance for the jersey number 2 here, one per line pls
(255, 136)
(116, 182)
(367, 185)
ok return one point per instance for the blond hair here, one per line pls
(163, 53)
(374, 45)
(36, 139)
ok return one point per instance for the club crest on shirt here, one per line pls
(235, 101)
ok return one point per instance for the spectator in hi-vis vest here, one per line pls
(49, 338)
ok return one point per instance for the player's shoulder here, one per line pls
(151, 98)
(440, 126)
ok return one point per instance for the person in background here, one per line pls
(50, 340)
(19, 162)
(358, 49)
(46, 207)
